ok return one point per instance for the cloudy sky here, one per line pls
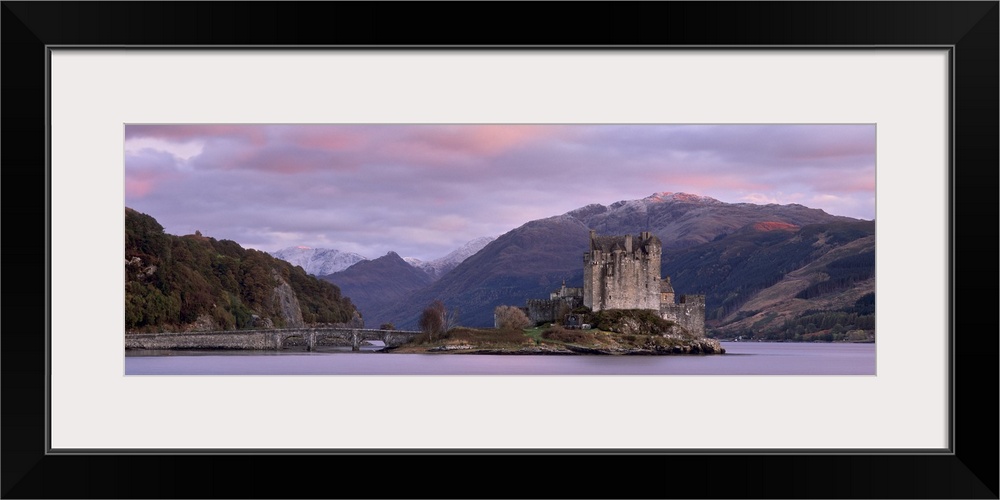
(424, 190)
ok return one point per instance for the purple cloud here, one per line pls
(422, 190)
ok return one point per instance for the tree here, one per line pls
(511, 318)
(434, 319)
(450, 319)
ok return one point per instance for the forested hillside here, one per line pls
(781, 282)
(179, 283)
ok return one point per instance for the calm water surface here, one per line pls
(741, 358)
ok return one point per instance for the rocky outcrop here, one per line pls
(693, 346)
(690, 346)
(259, 322)
(698, 346)
(286, 302)
(356, 322)
(203, 323)
(710, 346)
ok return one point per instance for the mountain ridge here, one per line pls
(531, 260)
(325, 261)
(440, 266)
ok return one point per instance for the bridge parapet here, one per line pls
(263, 339)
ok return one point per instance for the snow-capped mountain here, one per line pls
(439, 267)
(324, 261)
(729, 251)
(318, 261)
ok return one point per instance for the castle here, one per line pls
(559, 303)
(623, 272)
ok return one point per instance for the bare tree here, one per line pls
(434, 319)
(511, 318)
(451, 319)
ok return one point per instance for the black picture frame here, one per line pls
(968, 470)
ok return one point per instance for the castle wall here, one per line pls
(566, 292)
(550, 310)
(591, 283)
(689, 313)
(542, 310)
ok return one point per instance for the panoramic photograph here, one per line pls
(499, 249)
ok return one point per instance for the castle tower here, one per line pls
(622, 272)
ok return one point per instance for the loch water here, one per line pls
(741, 358)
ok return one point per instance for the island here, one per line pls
(613, 332)
(623, 307)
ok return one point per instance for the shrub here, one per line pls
(561, 334)
(511, 318)
(387, 326)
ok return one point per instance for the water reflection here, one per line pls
(741, 358)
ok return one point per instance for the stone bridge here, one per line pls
(273, 339)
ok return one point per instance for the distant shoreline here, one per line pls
(693, 347)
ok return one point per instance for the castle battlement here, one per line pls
(692, 299)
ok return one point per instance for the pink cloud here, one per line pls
(140, 183)
(495, 139)
(851, 184)
(314, 184)
(146, 169)
(137, 188)
(438, 144)
(324, 137)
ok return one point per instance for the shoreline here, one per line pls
(702, 347)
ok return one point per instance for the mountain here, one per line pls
(374, 285)
(439, 267)
(318, 261)
(194, 282)
(527, 262)
(783, 282)
(324, 261)
(681, 220)
(532, 260)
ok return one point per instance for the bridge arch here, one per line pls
(354, 336)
